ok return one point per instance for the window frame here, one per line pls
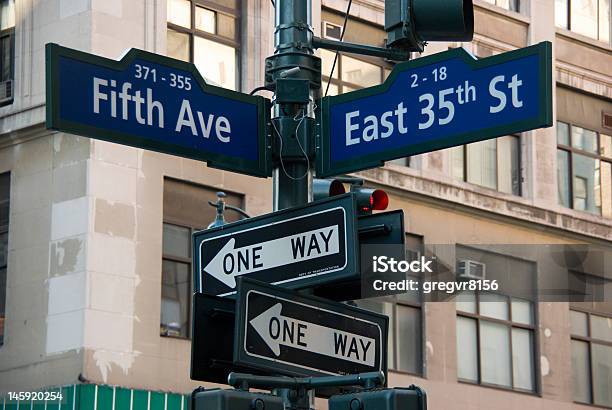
(464, 150)
(590, 340)
(179, 259)
(192, 31)
(10, 33)
(340, 83)
(509, 324)
(568, 22)
(570, 149)
(494, 3)
(4, 229)
(421, 360)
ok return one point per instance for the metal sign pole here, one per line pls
(295, 74)
(293, 123)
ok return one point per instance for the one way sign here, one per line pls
(295, 247)
(280, 330)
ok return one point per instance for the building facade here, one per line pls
(95, 255)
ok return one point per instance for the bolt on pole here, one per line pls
(294, 72)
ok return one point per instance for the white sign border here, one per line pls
(201, 289)
(246, 324)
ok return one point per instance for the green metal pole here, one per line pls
(293, 122)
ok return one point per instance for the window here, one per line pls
(512, 5)
(5, 180)
(350, 73)
(7, 50)
(207, 34)
(185, 211)
(493, 163)
(405, 342)
(591, 358)
(584, 169)
(495, 341)
(404, 347)
(590, 18)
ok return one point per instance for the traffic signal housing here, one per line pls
(325, 188)
(411, 23)
(369, 199)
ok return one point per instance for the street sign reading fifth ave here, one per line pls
(154, 102)
(436, 102)
(296, 247)
(282, 331)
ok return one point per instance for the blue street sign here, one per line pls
(436, 102)
(154, 102)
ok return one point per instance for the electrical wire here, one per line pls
(260, 88)
(280, 139)
(346, 17)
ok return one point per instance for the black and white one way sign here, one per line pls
(293, 247)
(278, 329)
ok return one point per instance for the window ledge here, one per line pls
(595, 406)
(474, 198)
(521, 18)
(500, 388)
(584, 40)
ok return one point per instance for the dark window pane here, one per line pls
(578, 324)
(327, 61)
(408, 339)
(522, 359)
(522, 311)
(216, 62)
(581, 371)
(3, 249)
(495, 354)
(205, 20)
(179, 12)
(7, 64)
(5, 180)
(508, 165)
(466, 302)
(176, 241)
(561, 13)
(601, 328)
(177, 45)
(467, 349)
(606, 189)
(604, 20)
(587, 189)
(7, 14)
(584, 139)
(606, 145)
(495, 306)
(602, 374)
(359, 72)
(2, 303)
(226, 26)
(457, 162)
(175, 294)
(563, 177)
(563, 133)
(482, 163)
(583, 16)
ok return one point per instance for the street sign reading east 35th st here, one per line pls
(158, 103)
(284, 332)
(436, 102)
(297, 247)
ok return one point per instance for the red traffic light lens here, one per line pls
(379, 200)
